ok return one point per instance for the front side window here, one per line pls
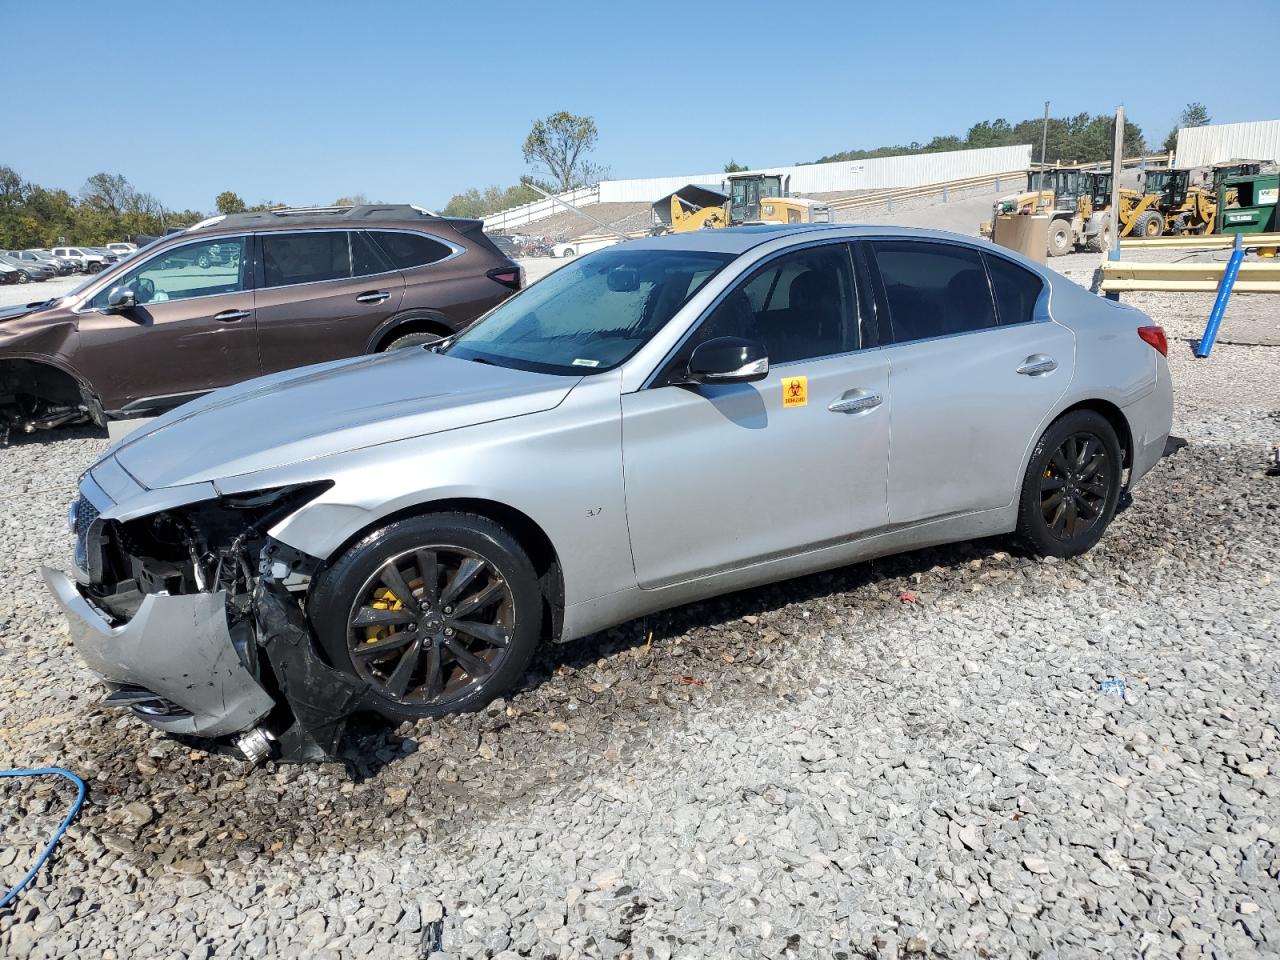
(1016, 290)
(591, 315)
(405, 250)
(933, 289)
(800, 306)
(289, 258)
(199, 269)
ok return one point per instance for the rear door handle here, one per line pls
(1037, 365)
(230, 316)
(373, 296)
(856, 401)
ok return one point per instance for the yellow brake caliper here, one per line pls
(384, 599)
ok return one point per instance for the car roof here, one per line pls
(382, 213)
(737, 240)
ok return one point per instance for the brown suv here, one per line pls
(239, 296)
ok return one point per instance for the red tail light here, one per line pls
(507, 276)
(1155, 336)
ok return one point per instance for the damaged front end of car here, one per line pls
(194, 618)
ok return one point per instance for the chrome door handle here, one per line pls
(230, 316)
(856, 401)
(1038, 364)
(373, 296)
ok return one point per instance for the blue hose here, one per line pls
(66, 822)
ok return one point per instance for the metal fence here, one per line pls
(518, 216)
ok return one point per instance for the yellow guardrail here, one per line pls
(1119, 276)
(1214, 241)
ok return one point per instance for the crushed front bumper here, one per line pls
(174, 662)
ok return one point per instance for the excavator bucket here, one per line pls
(679, 211)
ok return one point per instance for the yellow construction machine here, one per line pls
(751, 198)
(1167, 204)
(1068, 196)
(691, 208)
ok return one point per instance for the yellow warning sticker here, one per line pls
(795, 391)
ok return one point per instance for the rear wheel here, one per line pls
(1072, 485)
(1150, 224)
(23, 276)
(437, 614)
(419, 339)
(203, 261)
(1101, 240)
(1059, 238)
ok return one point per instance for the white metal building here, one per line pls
(879, 173)
(1220, 142)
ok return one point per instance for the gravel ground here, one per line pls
(959, 752)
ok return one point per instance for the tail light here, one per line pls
(1155, 336)
(512, 276)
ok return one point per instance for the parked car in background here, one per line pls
(123, 250)
(239, 296)
(106, 254)
(29, 270)
(90, 262)
(73, 264)
(8, 274)
(506, 244)
(398, 534)
(60, 268)
(581, 245)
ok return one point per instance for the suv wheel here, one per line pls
(203, 261)
(437, 614)
(412, 340)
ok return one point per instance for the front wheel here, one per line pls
(1072, 485)
(1059, 238)
(203, 261)
(23, 277)
(438, 614)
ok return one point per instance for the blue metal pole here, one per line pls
(1114, 254)
(1220, 303)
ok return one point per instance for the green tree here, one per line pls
(229, 202)
(559, 143)
(734, 167)
(1194, 114)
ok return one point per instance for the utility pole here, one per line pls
(1044, 145)
(1117, 166)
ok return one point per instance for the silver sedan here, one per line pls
(654, 423)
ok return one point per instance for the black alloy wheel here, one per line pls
(437, 614)
(1075, 484)
(431, 624)
(1072, 485)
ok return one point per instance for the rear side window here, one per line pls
(289, 258)
(365, 258)
(406, 250)
(933, 289)
(1016, 290)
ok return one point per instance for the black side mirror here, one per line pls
(120, 299)
(728, 360)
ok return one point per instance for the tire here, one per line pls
(1066, 462)
(1100, 240)
(1060, 238)
(24, 277)
(95, 267)
(412, 340)
(203, 261)
(1150, 224)
(355, 588)
(568, 252)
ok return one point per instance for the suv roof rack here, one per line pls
(362, 211)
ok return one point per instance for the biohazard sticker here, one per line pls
(795, 391)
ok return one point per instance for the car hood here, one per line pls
(317, 411)
(13, 313)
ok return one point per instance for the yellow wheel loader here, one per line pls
(1066, 196)
(1167, 205)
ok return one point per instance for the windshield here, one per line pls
(591, 315)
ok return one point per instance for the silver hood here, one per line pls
(313, 412)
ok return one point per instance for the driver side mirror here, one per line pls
(728, 360)
(120, 299)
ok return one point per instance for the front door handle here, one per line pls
(373, 296)
(856, 401)
(230, 316)
(1037, 365)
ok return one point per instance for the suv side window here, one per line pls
(933, 289)
(289, 258)
(1016, 290)
(406, 250)
(365, 258)
(801, 305)
(200, 269)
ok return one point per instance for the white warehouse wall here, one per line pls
(1219, 142)
(902, 171)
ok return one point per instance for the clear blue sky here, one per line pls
(305, 101)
